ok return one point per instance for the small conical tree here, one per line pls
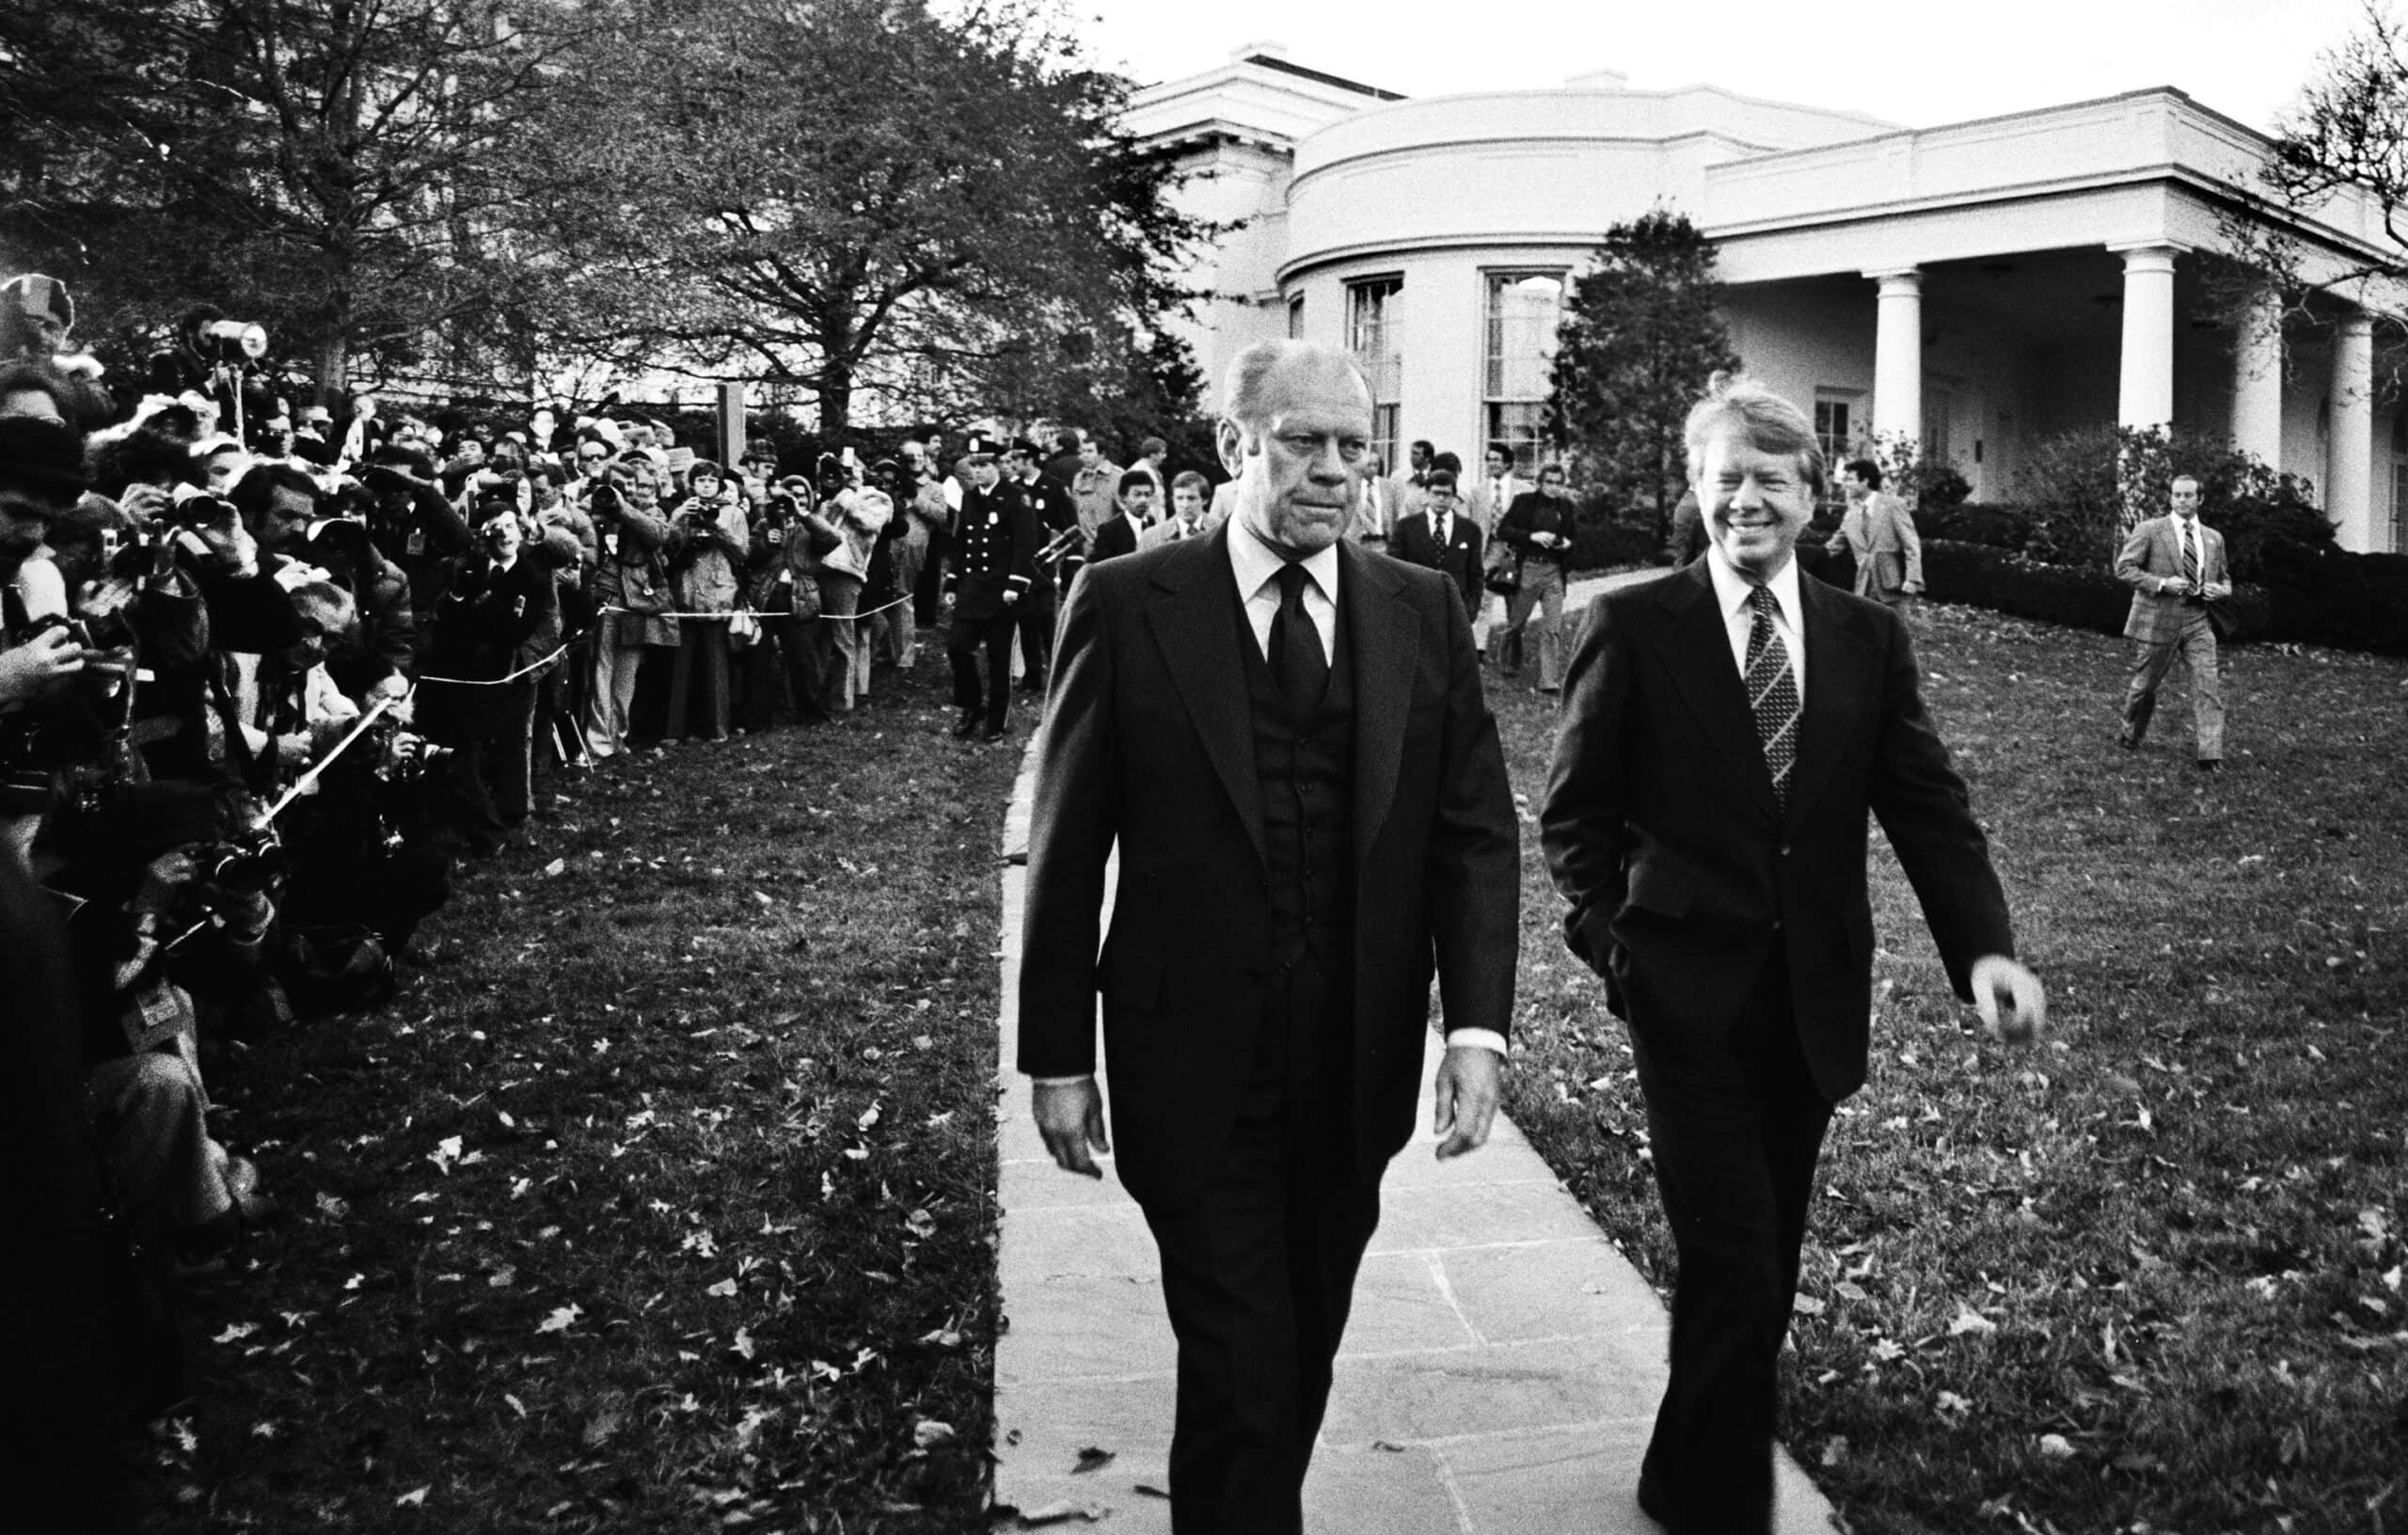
(1642, 332)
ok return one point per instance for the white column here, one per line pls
(2145, 397)
(2258, 381)
(2348, 500)
(1897, 356)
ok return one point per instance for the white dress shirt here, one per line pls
(1731, 590)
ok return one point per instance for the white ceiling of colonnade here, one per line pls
(1909, 61)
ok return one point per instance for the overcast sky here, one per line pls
(1914, 62)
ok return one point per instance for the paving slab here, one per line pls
(1499, 1373)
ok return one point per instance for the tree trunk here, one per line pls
(333, 364)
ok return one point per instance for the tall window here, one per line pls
(1523, 311)
(1839, 422)
(1373, 307)
(1296, 317)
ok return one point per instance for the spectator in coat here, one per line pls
(855, 517)
(711, 542)
(631, 597)
(1121, 532)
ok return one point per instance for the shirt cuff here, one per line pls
(1061, 1081)
(1478, 1039)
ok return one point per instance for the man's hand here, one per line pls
(29, 668)
(2178, 586)
(1070, 1114)
(1011, 595)
(1470, 1082)
(2014, 1008)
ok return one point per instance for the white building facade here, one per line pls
(1979, 287)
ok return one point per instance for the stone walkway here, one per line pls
(1501, 1370)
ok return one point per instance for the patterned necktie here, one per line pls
(1296, 659)
(1772, 694)
(1446, 530)
(2190, 554)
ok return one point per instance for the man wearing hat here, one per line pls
(1059, 556)
(996, 539)
(36, 314)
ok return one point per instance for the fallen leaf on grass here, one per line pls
(235, 1332)
(555, 867)
(1092, 1459)
(930, 1431)
(414, 1497)
(743, 1345)
(943, 1337)
(561, 1319)
(724, 1288)
(2056, 1447)
(1969, 1320)
(1063, 1512)
(1951, 1402)
(332, 1207)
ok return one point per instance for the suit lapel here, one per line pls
(1838, 651)
(1195, 624)
(1699, 659)
(1380, 630)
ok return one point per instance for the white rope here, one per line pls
(496, 682)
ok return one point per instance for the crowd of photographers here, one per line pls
(267, 677)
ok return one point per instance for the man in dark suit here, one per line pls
(1443, 537)
(1286, 738)
(1120, 532)
(1726, 730)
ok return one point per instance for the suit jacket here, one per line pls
(1685, 879)
(1117, 535)
(2152, 554)
(1147, 741)
(1160, 533)
(1416, 540)
(1880, 534)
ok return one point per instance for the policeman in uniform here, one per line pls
(991, 576)
(1059, 558)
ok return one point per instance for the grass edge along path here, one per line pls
(2148, 1277)
(665, 1199)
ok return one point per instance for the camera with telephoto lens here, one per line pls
(234, 340)
(603, 500)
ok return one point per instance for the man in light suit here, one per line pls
(1727, 729)
(1880, 532)
(2174, 567)
(1376, 512)
(1443, 537)
(1286, 738)
(1190, 492)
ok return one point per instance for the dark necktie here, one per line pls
(1772, 694)
(1296, 657)
(2189, 534)
(1446, 530)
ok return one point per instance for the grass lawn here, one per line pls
(2147, 1277)
(664, 1201)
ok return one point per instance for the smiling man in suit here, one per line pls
(1444, 537)
(2174, 567)
(1285, 737)
(1727, 730)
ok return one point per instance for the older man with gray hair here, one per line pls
(1284, 734)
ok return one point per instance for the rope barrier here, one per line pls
(496, 682)
(884, 607)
